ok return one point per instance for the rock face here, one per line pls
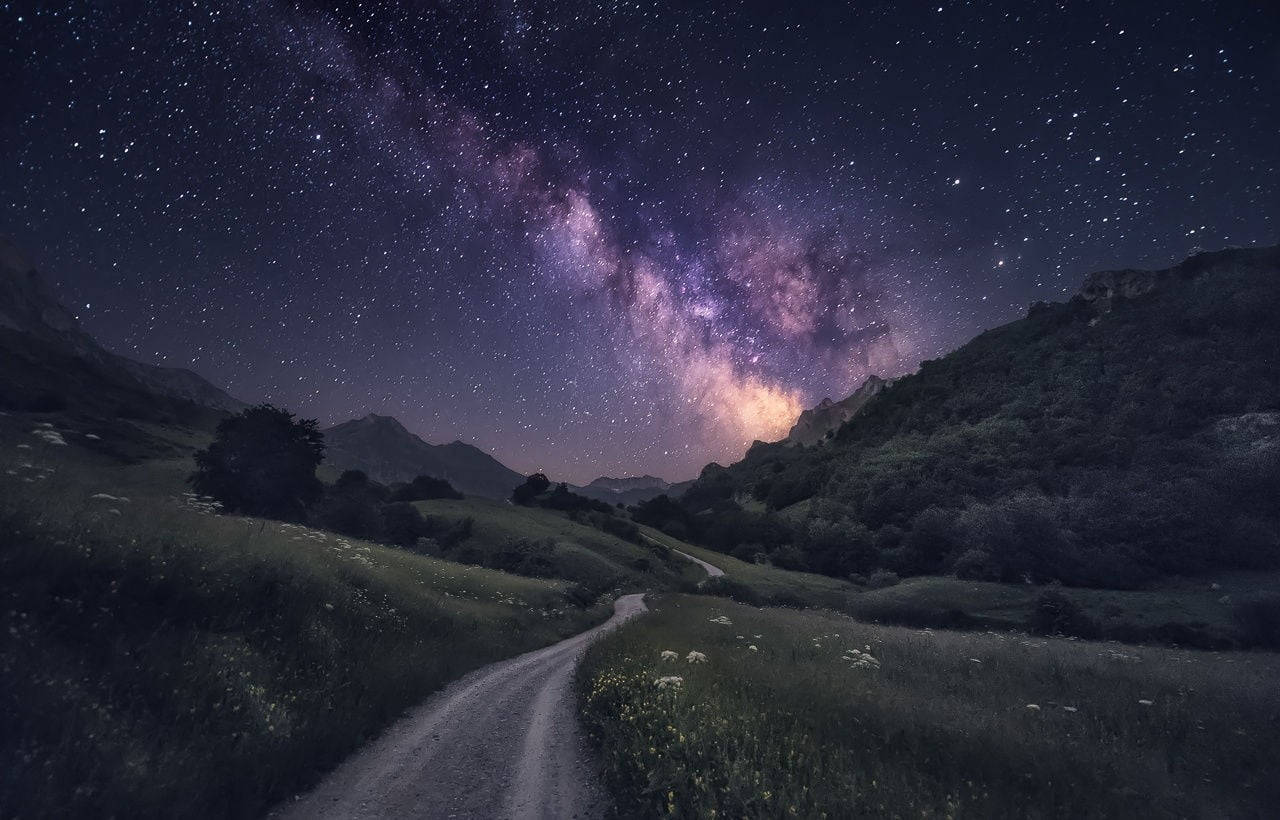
(387, 452)
(28, 307)
(814, 424)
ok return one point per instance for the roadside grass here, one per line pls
(945, 723)
(161, 661)
(577, 552)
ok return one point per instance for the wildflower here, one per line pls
(723, 620)
(696, 657)
(670, 681)
(1145, 702)
(668, 655)
(329, 607)
(1033, 707)
(753, 648)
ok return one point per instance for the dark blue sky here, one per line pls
(613, 238)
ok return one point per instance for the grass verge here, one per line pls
(830, 717)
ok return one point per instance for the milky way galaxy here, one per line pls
(612, 238)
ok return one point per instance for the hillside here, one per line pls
(1123, 435)
(387, 452)
(161, 660)
(50, 363)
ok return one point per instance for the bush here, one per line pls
(425, 488)
(1056, 614)
(882, 578)
(533, 486)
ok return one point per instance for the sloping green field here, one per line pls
(166, 661)
(574, 551)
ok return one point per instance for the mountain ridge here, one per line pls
(388, 452)
(28, 307)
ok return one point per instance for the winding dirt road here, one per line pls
(501, 742)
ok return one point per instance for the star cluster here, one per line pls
(613, 238)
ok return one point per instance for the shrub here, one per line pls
(1056, 614)
(882, 578)
(533, 486)
(425, 488)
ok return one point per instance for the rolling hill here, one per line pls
(1126, 434)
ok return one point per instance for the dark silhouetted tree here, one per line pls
(533, 486)
(262, 462)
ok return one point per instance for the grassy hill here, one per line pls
(1129, 434)
(547, 543)
(164, 661)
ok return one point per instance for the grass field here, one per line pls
(1192, 612)
(577, 552)
(813, 714)
(164, 661)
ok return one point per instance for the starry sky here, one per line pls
(613, 238)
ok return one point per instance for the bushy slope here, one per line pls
(1103, 441)
(162, 661)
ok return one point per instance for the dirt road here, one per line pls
(502, 742)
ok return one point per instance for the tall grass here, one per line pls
(937, 724)
(159, 661)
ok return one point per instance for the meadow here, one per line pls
(166, 661)
(815, 714)
(564, 548)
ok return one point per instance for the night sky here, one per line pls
(613, 238)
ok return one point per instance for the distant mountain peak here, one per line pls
(387, 451)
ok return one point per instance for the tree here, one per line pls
(424, 488)
(533, 486)
(262, 462)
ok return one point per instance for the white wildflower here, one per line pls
(670, 681)
(696, 657)
(753, 648)
(668, 655)
(723, 620)
(49, 436)
(1033, 707)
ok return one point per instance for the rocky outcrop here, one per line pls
(815, 423)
